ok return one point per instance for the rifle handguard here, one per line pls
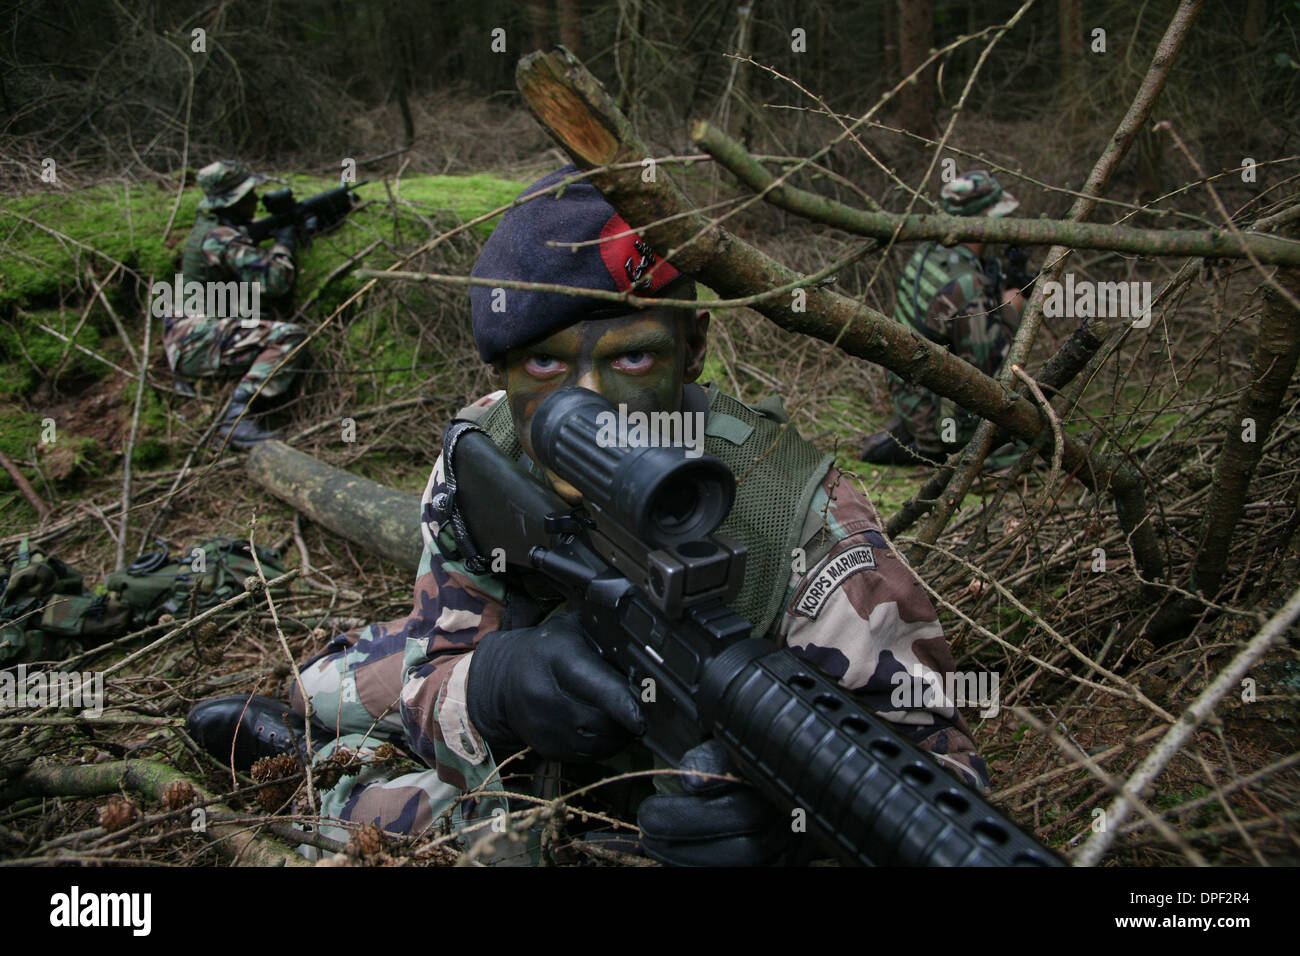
(865, 790)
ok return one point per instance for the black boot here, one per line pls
(246, 433)
(256, 725)
(893, 446)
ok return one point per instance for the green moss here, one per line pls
(19, 431)
(49, 235)
(150, 452)
(123, 222)
(443, 201)
(24, 343)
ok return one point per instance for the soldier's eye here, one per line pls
(543, 366)
(634, 362)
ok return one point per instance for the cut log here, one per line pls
(382, 520)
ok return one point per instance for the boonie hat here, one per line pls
(225, 182)
(977, 193)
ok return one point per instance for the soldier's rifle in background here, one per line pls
(1011, 272)
(651, 581)
(309, 217)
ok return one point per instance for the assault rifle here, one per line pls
(1011, 272)
(640, 562)
(310, 217)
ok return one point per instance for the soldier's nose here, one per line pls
(589, 380)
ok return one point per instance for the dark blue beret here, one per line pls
(518, 250)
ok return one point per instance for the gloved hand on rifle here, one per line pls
(715, 822)
(287, 236)
(1016, 271)
(544, 687)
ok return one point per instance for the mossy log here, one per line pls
(382, 520)
(236, 840)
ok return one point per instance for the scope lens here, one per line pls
(673, 507)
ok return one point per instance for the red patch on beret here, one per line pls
(631, 261)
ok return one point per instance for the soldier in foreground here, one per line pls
(218, 250)
(479, 670)
(947, 295)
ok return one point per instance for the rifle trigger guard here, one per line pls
(445, 503)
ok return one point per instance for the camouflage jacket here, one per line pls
(860, 624)
(944, 294)
(217, 251)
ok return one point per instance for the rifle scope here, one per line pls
(666, 497)
(280, 202)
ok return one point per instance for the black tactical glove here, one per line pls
(714, 823)
(287, 236)
(544, 687)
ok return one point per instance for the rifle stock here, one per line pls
(658, 612)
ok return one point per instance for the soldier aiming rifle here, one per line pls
(223, 248)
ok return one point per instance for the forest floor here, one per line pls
(400, 360)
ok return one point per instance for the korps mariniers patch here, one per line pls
(837, 570)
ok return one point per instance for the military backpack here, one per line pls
(45, 608)
(158, 583)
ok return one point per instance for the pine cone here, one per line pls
(117, 813)
(177, 794)
(367, 843)
(279, 767)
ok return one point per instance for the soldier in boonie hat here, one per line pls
(225, 182)
(219, 254)
(953, 297)
(977, 193)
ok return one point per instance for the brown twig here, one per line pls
(40, 507)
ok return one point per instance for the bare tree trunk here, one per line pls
(915, 38)
(1252, 25)
(537, 31)
(1271, 370)
(570, 24)
(889, 42)
(1070, 21)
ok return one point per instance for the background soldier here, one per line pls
(953, 298)
(218, 249)
(478, 670)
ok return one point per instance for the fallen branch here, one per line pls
(150, 778)
(41, 508)
(120, 562)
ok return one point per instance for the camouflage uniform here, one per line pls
(218, 250)
(945, 295)
(404, 682)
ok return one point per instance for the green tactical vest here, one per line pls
(777, 473)
(930, 269)
(193, 263)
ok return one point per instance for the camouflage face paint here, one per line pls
(637, 361)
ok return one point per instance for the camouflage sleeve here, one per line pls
(972, 322)
(858, 614)
(229, 249)
(454, 609)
